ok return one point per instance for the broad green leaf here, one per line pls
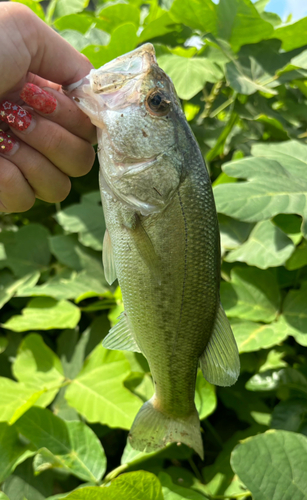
(294, 315)
(198, 14)
(133, 486)
(45, 313)
(240, 23)
(287, 379)
(158, 27)
(23, 485)
(251, 294)
(205, 398)
(85, 219)
(189, 75)
(172, 491)
(252, 336)
(80, 22)
(98, 392)
(275, 184)
(72, 446)
(3, 343)
(291, 225)
(12, 451)
(30, 242)
(293, 35)
(290, 415)
(38, 367)
(267, 246)
(16, 398)
(273, 465)
(246, 76)
(66, 7)
(112, 16)
(3, 496)
(299, 257)
(233, 232)
(68, 285)
(123, 39)
(72, 254)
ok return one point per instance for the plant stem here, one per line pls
(195, 470)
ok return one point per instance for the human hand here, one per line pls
(42, 147)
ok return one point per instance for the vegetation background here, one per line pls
(66, 403)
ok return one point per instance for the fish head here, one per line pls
(135, 108)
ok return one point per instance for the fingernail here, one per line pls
(38, 98)
(8, 145)
(15, 116)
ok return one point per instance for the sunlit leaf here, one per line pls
(252, 336)
(12, 450)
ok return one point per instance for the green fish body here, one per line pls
(162, 243)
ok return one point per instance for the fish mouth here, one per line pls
(131, 167)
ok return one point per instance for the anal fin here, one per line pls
(108, 259)
(120, 337)
(220, 361)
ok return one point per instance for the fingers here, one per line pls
(71, 154)
(47, 182)
(60, 109)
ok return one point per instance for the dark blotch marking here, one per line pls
(144, 133)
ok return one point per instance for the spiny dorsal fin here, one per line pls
(120, 337)
(220, 361)
(108, 259)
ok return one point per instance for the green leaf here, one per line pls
(71, 253)
(133, 486)
(98, 392)
(289, 224)
(294, 315)
(172, 491)
(267, 246)
(112, 16)
(252, 336)
(293, 35)
(23, 485)
(246, 76)
(275, 184)
(3, 496)
(251, 294)
(16, 398)
(39, 368)
(240, 23)
(233, 232)
(10, 286)
(290, 415)
(68, 285)
(79, 22)
(299, 257)
(287, 379)
(205, 398)
(45, 313)
(273, 465)
(85, 219)
(189, 75)
(158, 27)
(12, 451)
(198, 14)
(72, 446)
(26, 250)
(3, 344)
(65, 7)
(123, 39)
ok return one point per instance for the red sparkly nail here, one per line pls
(7, 143)
(15, 115)
(38, 98)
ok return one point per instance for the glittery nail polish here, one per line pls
(16, 116)
(38, 98)
(7, 143)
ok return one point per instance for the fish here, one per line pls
(162, 243)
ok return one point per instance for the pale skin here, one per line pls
(59, 146)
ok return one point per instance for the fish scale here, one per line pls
(162, 243)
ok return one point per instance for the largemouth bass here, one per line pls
(162, 243)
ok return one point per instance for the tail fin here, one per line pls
(152, 430)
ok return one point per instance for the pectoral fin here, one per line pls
(220, 361)
(108, 259)
(120, 337)
(146, 249)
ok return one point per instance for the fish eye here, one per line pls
(157, 103)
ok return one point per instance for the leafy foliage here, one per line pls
(66, 402)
